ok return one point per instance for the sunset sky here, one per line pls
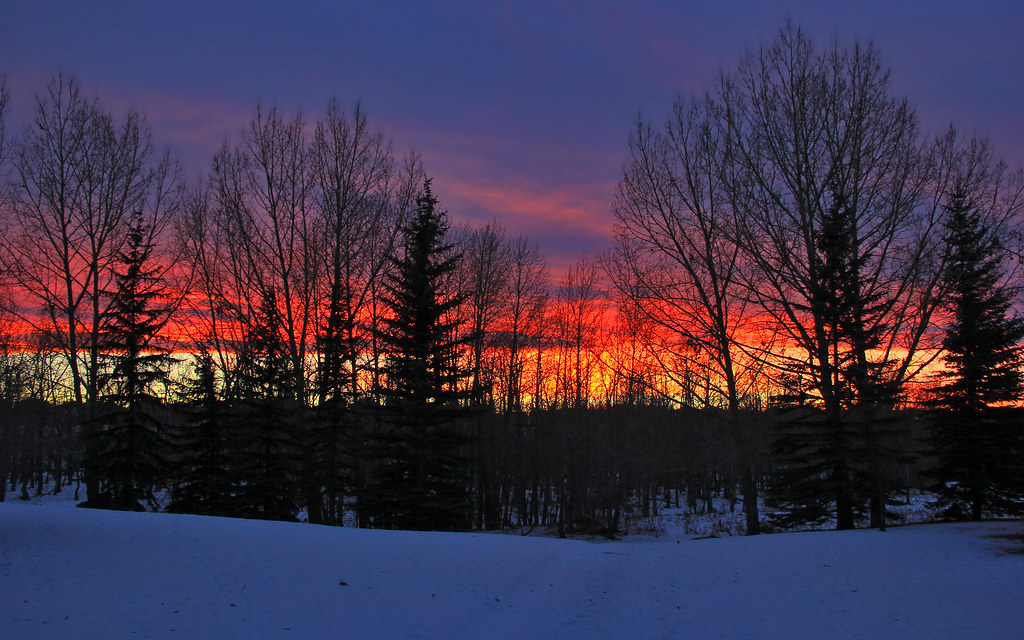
(521, 111)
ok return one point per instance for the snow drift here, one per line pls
(77, 573)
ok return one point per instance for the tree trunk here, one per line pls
(749, 487)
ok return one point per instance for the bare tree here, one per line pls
(407, 190)
(78, 173)
(578, 322)
(360, 202)
(485, 261)
(4, 148)
(829, 180)
(285, 236)
(210, 323)
(636, 376)
(10, 366)
(6, 303)
(262, 197)
(520, 320)
(675, 264)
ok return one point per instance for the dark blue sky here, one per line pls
(521, 111)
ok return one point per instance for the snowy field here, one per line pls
(78, 573)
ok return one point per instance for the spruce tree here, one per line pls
(332, 458)
(978, 445)
(206, 454)
(421, 477)
(130, 441)
(831, 443)
(330, 445)
(266, 418)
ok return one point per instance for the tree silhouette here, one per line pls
(421, 478)
(837, 452)
(266, 419)
(131, 439)
(206, 454)
(78, 174)
(976, 445)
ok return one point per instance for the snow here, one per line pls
(79, 573)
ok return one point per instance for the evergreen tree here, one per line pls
(422, 475)
(330, 439)
(977, 446)
(206, 454)
(831, 442)
(131, 442)
(332, 458)
(266, 418)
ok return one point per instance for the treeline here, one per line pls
(810, 300)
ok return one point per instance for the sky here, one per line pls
(521, 111)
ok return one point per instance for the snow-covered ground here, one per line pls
(78, 573)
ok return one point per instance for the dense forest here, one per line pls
(810, 306)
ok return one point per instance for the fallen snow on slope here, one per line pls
(77, 573)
